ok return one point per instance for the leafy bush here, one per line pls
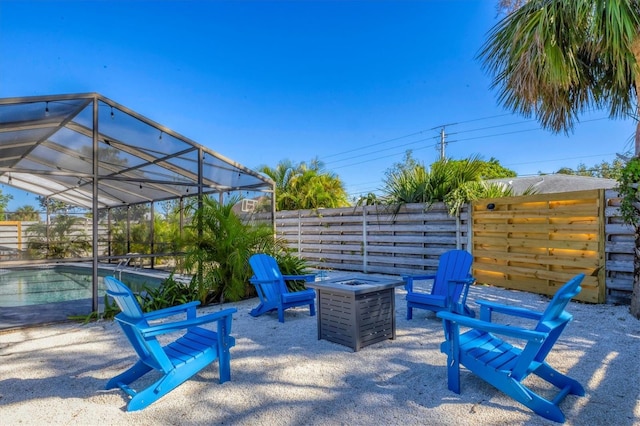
(292, 265)
(220, 250)
(169, 293)
(630, 192)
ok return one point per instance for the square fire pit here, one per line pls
(356, 311)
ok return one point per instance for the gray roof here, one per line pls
(545, 184)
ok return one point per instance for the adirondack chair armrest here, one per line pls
(170, 327)
(467, 282)
(505, 330)
(254, 281)
(172, 310)
(409, 279)
(308, 278)
(487, 308)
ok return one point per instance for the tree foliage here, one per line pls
(4, 202)
(630, 191)
(492, 169)
(604, 169)
(219, 253)
(25, 213)
(62, 238)
(556, 59)
(306, 186)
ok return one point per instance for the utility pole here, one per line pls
(442, 144)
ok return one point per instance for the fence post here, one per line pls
(299, 234)
(458, 238)
(364, 239)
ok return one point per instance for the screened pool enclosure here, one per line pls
(89, 153)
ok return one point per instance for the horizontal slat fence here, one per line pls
(374, 239)
(532, 243)
(537, 243)
(619, 248)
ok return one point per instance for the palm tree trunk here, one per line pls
(635, 296)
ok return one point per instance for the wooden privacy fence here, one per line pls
(374, 239)
(532, 243)
(537, 243)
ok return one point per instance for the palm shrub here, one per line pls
(290, 264)
(64, 237)
(220, 250)
(411, 182)
(475, 190)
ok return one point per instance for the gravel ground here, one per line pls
(281, 374)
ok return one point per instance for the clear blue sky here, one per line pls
(354, 83)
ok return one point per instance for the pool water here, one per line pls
(59, 283)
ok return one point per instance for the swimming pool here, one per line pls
(59, 283)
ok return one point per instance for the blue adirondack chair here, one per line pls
(177, 361)
(272, 288)
(505, 366)
(450, 286)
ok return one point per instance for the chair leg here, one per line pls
(280, 314)
(312, 309)
(542, 407)
(151, 394)
(259, 310)
(129, 376)
(409, 312)
(224, 365)
(559, 380)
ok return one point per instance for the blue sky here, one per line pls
(354, 83)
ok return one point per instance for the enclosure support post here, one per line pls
(200, 204)
(94, 301)
(152, 235)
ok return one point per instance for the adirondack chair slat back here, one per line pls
(124, 297)
(265, 267)
(272, 289)
(454, 264)
(555, 318)
(148, 349)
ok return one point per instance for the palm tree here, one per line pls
(306, 186)
(64, 237)
(25, 213)
(556, 59)
(220, 253)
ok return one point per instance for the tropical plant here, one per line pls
(476, 190)
(62, 238)
(306, 186)
(220, 250)
(605, 169)
(556, 59)
(169, 293)
(290, 264)
(134, 241)
(411, 182)
(25, 213)
(629, 190)
(4, 202)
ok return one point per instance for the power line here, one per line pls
(409, 135)
(379, 151)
